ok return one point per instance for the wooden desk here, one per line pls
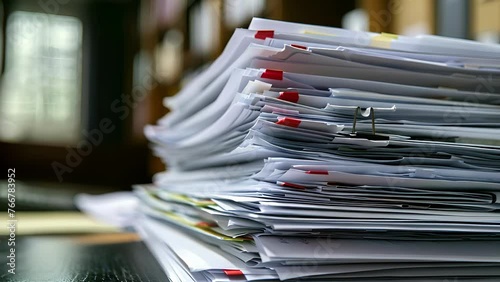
(86, 258)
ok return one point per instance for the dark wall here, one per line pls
(110, 41)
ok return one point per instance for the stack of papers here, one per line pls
(316, 153)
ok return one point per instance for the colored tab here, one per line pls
(383, 40)
(322, 172)
(290, 96)
(314, 32)
(233, 272)
(292, 185)
(299, 46)
(204, 224)
(292, 122)
(272, 74)
(390, 35)
(263, 34)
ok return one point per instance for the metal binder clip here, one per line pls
(373, 135)
(356, 113)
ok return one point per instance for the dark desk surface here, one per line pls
(113, 257)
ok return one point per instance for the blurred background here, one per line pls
(81, 78)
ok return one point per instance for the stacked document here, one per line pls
(322, 154)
